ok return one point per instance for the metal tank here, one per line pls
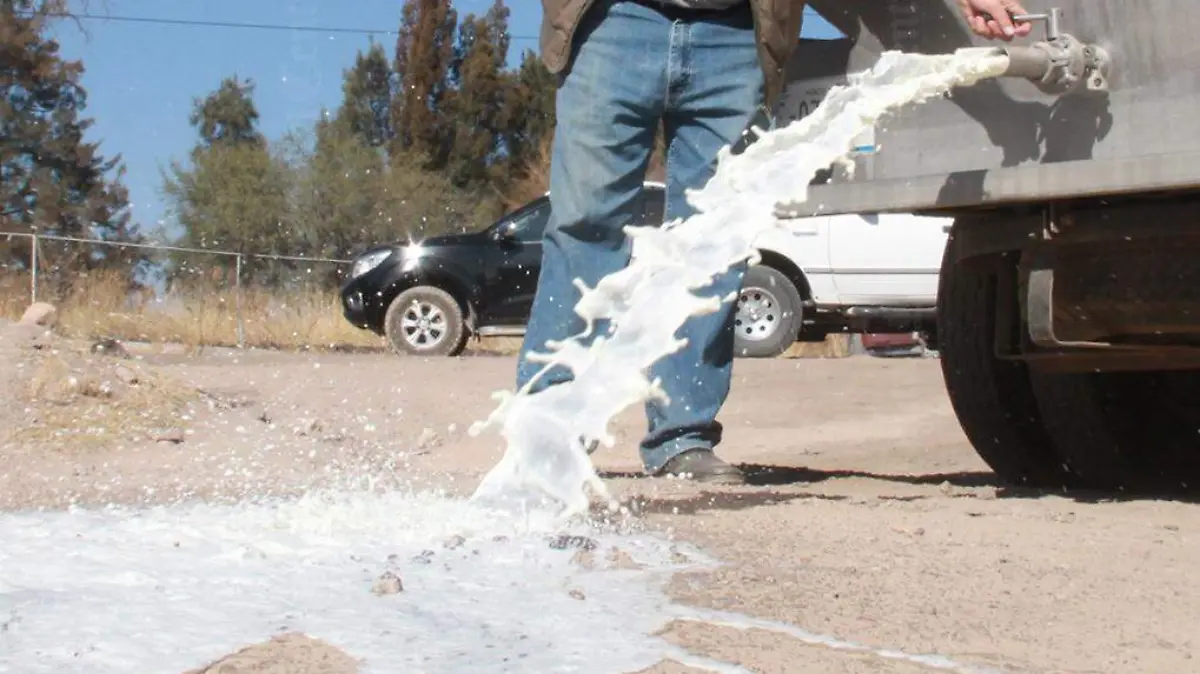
(1068, 320)
(1007, 139)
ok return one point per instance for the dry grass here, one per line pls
(14, 294)
(99, 306)
(79, 401)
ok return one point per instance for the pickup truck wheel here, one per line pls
(992, 398)
(768, 314)
(425, 321)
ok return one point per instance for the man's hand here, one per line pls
(993, 18)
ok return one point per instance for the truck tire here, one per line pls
(1161, 417)
(1074, 407)
(425, 321)
(1134, 432)
(768, 314)
(992, 398)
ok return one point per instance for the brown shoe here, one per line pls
(702, 465)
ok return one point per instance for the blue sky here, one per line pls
(141, 78)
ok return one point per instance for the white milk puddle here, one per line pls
(166, 590)
(647, 302)
(171, 589)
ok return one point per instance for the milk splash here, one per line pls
(545, 461)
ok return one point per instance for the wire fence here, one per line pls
(158, 292)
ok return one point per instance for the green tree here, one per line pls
(417, 203)
(227, 115)
(527, 120)
(424, 50)
(51, 179)
(367, 92)
(338, 207)
(235, 194)
(477, 102)
(233, 198)
(349, 195)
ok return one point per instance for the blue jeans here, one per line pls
(633, 67)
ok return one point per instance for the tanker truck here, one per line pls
(1067, 327)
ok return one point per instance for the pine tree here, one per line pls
(424, 50)
(227, 115)
(51, 179)
(367, 92)
(477, 102)
(528, 115)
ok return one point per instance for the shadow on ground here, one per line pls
(758, 475)
(722, 500)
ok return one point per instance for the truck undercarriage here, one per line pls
(1068, 308)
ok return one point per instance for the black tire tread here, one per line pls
(1132, 432)
(454, 343)
(992, 398)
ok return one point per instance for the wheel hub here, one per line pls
(758, 314)
(423, 325)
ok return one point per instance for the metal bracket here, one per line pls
(1039, 313)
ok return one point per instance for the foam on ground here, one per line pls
(545, 463)
(174, 588)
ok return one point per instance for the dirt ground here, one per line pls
(869, 519)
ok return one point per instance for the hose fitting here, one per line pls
(1060, 64)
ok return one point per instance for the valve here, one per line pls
(1060, 64)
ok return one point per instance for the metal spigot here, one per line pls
(1060, 64)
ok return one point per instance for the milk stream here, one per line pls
(545, 462)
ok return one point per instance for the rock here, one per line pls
(291, 652)
(576, 593)
(585, 559)
(109, 347)
(307, 427)
(388, 583)
(678, 557)
(619, 559)
(43, 340)
(41, 314)
(72, 384)
(428, 439)
(168, 435)
(453, 542)
(564, 541)
(126, 375)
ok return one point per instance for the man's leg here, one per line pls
(608, 106)
(716, 88)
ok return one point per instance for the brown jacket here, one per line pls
(776, 23)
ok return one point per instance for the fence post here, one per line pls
(237, 285)
(33, 262)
